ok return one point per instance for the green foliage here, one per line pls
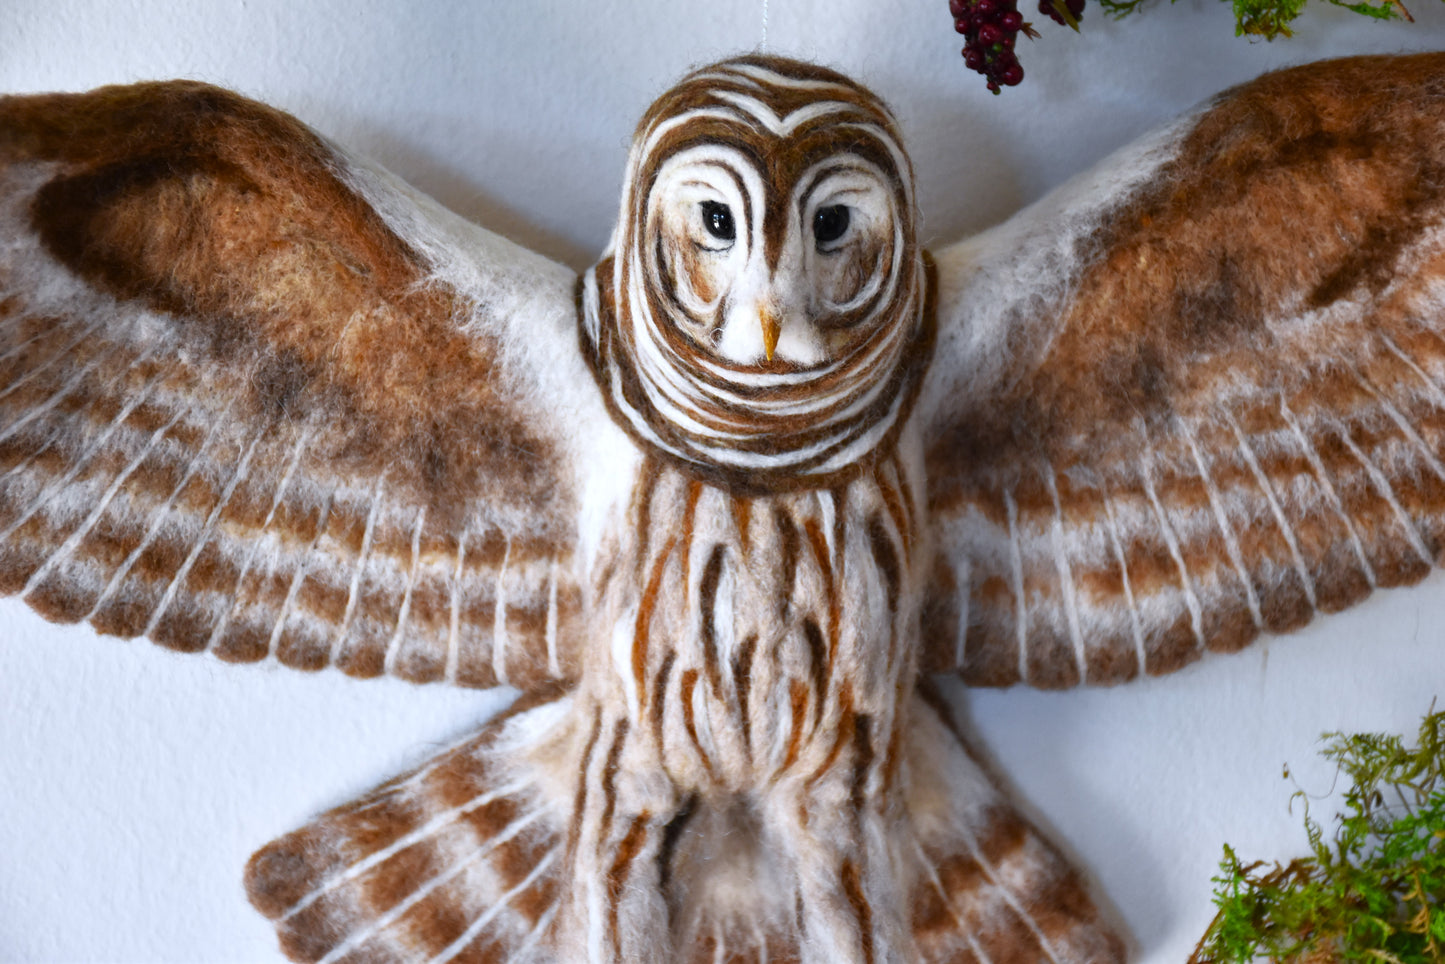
(1375, 893)
(1265, 18)
(1119, 9)
(1272, 18)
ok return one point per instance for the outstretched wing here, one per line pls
(1199, 393)
(259, 400)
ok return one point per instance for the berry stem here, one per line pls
(1064, 12)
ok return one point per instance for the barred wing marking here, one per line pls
(1199, 394)
(259, 400)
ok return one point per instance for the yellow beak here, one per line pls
(772, 329)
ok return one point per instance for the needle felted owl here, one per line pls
(718, 506)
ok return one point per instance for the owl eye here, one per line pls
(718, 220)
(830, 223)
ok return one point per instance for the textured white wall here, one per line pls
(134, 782)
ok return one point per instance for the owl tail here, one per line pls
(458, 860)
(462, 860)
(986, 885)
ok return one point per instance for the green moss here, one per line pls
(1272, 18)
(1375, 892)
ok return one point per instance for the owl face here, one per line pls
(759, 313)
(753, 293)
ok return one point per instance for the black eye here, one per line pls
(718, 220)
(830, 223)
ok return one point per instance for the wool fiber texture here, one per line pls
(720, 504)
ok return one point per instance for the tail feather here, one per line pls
(457, 861)
(721, 946)
(988, 888)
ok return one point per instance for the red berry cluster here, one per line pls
(990, 28)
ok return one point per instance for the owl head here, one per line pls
(759, 313)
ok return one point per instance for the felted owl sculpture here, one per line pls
(718, 507)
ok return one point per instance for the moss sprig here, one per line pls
(1272, 18)
(1374, 892)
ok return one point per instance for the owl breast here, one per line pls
(756, 641)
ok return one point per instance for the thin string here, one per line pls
(765, 25)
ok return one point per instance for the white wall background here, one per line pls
(135, 782)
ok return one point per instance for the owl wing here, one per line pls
(1199, 393)
(259, 400)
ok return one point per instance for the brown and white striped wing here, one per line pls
(259, 400)
(1198, 394)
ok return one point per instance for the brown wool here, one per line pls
(259, 401)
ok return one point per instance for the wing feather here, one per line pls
(1197, 395)
(260, 400)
